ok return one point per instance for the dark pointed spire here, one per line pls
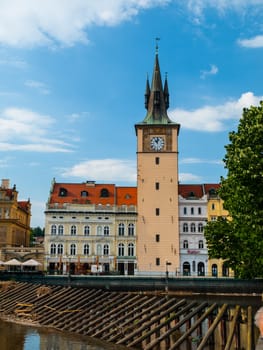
(157, 97)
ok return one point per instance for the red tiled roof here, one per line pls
(75, 191)
(126, 195)
(196, 190)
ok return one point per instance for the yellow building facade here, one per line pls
(15, 218)
(215, 209)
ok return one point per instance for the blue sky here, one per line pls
(73, 77)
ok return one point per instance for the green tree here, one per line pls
(36, 232)
(239, 240)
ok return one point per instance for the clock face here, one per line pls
(157, 143)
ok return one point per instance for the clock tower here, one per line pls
(157, 182)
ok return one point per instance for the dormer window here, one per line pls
(104, 193)
(84, 193)
(63, 192)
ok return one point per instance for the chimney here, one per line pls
(5, 183)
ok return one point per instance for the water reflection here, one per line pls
(19, 337)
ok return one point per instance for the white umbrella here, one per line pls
(31, 262)
(13, 262)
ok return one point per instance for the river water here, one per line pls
(15, 336)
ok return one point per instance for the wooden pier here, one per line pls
(149, 321)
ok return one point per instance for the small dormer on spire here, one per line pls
(147, 93)
(166, 92)
(157, 96)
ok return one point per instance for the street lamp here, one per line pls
(168, 263)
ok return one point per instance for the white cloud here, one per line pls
(199, 161)
(62, 22)
(25, 130)
(252, 43)
(189, 178)
(112, 170)
(197, 7)
(212, 71)
(213, 118)
(37, 85)
(13, 63)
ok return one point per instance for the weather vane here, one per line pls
(156, 45)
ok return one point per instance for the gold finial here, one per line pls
(156, 45)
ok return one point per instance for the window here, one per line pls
(60, 230)
(213, 206)
(53, 249)
(157, 211)
(157, 160)
(99, 230)
(192, 211)
(157, 185)
(199, 211)
(73, 249)
(185, 227)
(86, 249)
(157, 261)
(130, 249)
(157, 237)
(99, 249)
(104, 193)
(60, 248)
(73, 230)
(131, 230)
(200, 244)
(121, 249)
(200, 227)
(63, 192)
(185, 244)
(84, 194)
(86, 230)
(192, 227)
(185, 211)
(106, 230)
(121, 229)
(53, 230)
(106, 249)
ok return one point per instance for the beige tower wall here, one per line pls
(165, 198)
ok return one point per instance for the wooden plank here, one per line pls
(232, 328)
(195, 325)
(212, 327)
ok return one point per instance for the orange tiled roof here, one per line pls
(83, 193)
(197, 190)
(126, 195)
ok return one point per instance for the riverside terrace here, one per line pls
(147, 320)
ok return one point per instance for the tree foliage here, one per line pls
(239, 240)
